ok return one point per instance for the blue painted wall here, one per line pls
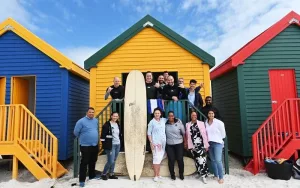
(18, 57)
(78, 103)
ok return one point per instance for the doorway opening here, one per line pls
(24, 91)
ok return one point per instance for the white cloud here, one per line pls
(79, 54)
(15, 9)
(234, 22)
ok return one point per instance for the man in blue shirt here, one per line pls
(87, 130)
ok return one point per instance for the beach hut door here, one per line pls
(282, 86)
(23, 91)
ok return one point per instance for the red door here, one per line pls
(282, 86)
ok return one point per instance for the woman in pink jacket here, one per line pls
(197, 144)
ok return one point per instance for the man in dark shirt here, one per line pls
(209, 106)
(152, 88)
(116, 91)
(166, 75)
(172, 90)
(161, 83)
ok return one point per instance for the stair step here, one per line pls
(60, 170)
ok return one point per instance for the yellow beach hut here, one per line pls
(148, 45)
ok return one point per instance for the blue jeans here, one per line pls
(215, 154)
(112, 156)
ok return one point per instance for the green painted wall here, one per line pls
(282, 52)
(226, 99)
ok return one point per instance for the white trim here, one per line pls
(9, 27)
(102, 140)
(148, 24)
(294, 20)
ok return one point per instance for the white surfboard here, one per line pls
(135, 123)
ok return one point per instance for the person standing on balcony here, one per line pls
(209, 106)
(116, 91)
(216, 133)
(161, 83)
(86, 129)
(193, 94)
(172, 90)
(181, 81)
(197, 144)
(166, 75)
(175, 133)
(157, 138)
(110, 138)
(152, 88)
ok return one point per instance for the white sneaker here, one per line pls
(155, 179)
(160, 177)
(204, 180)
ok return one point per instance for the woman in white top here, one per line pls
(216, 133)
(157, 137)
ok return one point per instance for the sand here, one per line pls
(237, 178)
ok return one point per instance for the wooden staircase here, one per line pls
(24, 137)
(278, 136)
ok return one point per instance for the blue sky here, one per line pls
(78, 28)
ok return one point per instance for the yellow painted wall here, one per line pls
(147, 51)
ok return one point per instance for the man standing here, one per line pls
(209, 106)
(152, 88)
(161, 80)
(166, 75)
(161, 83)
(116, 91)
(193, 94)
(87, 130)
(181, 81)
(172, 90)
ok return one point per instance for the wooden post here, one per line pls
(294, 112)
(15, 138)
(15, 167)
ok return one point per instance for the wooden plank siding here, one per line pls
(78, 103)
(282, 52)
(19, 58)
(146, 51)
(226, 99)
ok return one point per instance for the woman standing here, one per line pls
(197, 144)
(175, 137)
(157, 138)
(110, 138)
(216, 133)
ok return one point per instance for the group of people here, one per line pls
(165, 88)
(165, 135)
(199, 138)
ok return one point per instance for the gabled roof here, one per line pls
(255, 44)
(11, 25)
(148, 21)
